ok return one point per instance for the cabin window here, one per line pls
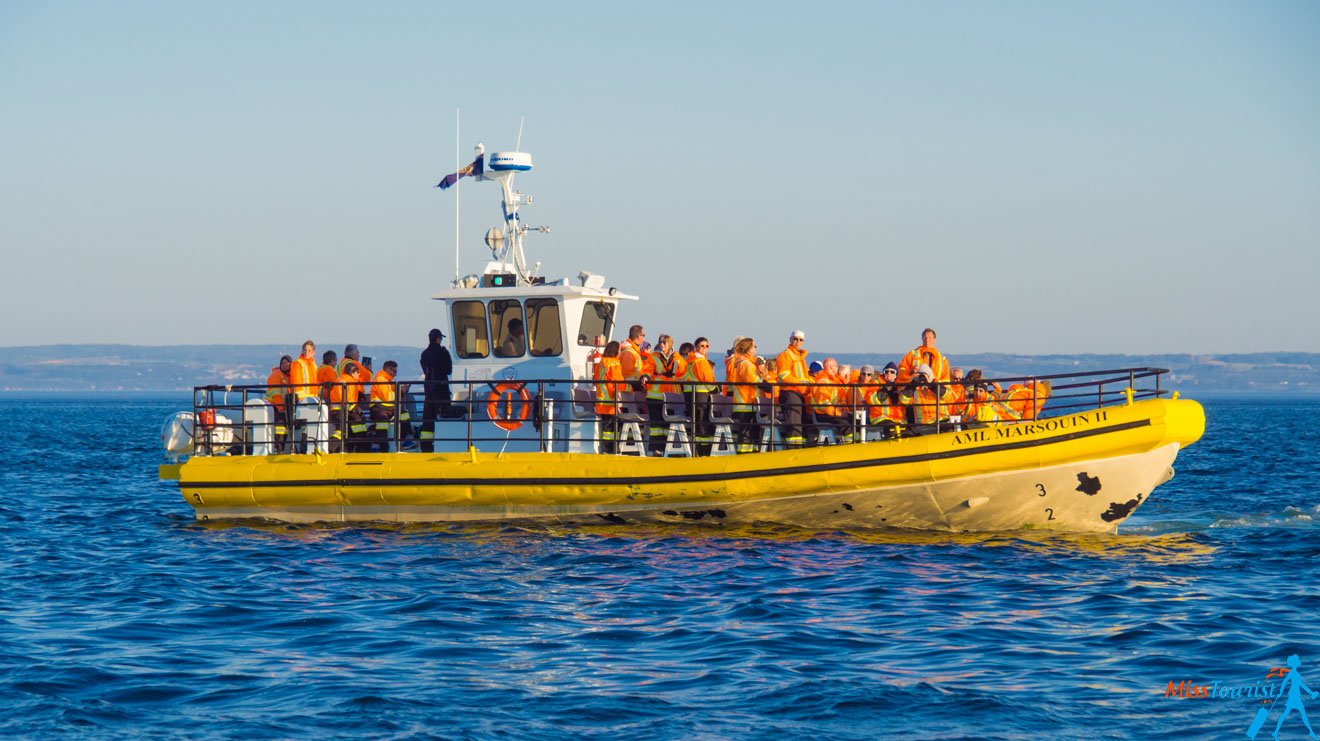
(597, 321)
(543, 327)
(470, 339)
(507, 329)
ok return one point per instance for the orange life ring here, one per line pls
(507, 421)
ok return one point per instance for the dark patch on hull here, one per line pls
(1118, 511)
(1088, 485)
(847, 506)
(613, 519)
(697, 514)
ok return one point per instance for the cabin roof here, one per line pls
(527, 292)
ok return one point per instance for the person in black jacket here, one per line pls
(436, 367)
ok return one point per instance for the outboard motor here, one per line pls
(177, 435)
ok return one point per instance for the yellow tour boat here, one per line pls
(520, 441)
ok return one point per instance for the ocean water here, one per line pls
(122, 617)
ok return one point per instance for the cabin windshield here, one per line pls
(597, 321)
(470, 338)
(543, 327)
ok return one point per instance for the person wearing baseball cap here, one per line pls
(436, 367)
(794, 384)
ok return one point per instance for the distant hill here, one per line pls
(159, 367)
(109, 368)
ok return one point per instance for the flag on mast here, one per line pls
(473, 170)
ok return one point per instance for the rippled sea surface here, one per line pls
(121, 616)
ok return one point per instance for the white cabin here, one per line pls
(561, 325)
(509, 325)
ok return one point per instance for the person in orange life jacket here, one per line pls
(963, 390)
(728, 363)
(1026, 401)
(680, 366)
(889, 386)
(828, 397)
(794, 383)
(632, 356)
(326, 373)
(385, 404)
(346, 422)
(982, 408)
(884, 404)
(744, 382)
(671, 367)
(609, 381)
(856, 398)
(700, 375)
(660, 368)
(926, 400)
(927, 354)
(303, 373)
(277, 388)
(436, 367)
(302, 382)
(957, 392)
(352, 353)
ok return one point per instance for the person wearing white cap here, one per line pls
(794, 384)
(926, 402)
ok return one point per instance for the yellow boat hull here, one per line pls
(1082, 472)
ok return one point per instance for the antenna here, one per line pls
(518, 148)
(458, 182)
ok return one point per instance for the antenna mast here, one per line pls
(457, 167)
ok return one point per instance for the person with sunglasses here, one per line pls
(698, 384)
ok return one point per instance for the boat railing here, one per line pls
(559, 415)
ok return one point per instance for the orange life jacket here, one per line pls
(344, 388)
(792, 365)
(923, 402)
(958, 400)
(700, 372)
(660, 371)
(983, 410)
(939, 365)
(827, 399)
(631, 360)
(1025, 402)
(276, 386)
(382, 389)
(303, 377)
(325, 375)
(674, 370)
(609, 377)
(745, 378)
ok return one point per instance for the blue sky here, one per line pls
(1126, 177)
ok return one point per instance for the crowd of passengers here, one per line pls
(908, 397)
(363, 402)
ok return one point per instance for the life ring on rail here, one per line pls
(507, 421)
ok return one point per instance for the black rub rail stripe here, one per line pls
(686, 478)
